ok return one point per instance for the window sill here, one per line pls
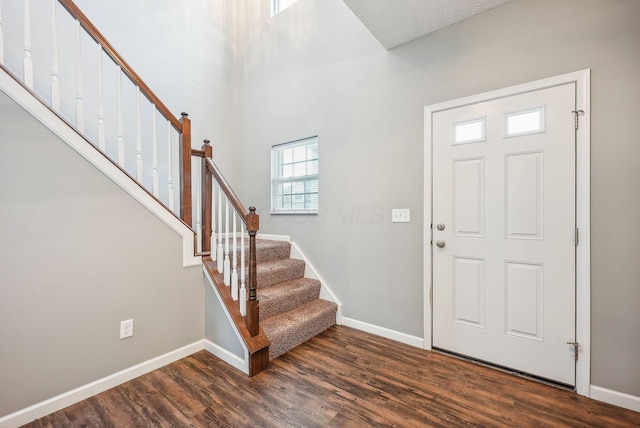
(294, 213)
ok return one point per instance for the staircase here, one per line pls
(291, 310)
(273, 305)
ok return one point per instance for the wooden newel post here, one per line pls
(253, 309)
(186, 213)
(207, 195)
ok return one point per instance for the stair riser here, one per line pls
(264, 253)
(301, 333)
(267, 278)
(296, 297)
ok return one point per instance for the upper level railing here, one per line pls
(93, 89)
(60, 56)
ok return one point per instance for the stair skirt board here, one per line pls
(60, 128)
(76, 395)
(311, 272)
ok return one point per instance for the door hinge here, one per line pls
(576, 117)
(577, 236)
(576, 348)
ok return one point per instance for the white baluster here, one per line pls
(227, 263)
(2, 36)
(28, 62)
(102, 143)
(220, 251)
(198, 211)
(243, 287)
(154, 140)
(212, 242)
(170, 170)
(120, 122)
(79, 99)
(234, 273)
(55, 84)
(138, 138)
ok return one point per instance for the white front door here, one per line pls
(504, 222)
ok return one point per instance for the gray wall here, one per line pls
(218, 328)
(315, 69)
(77, 256)
(184, 51)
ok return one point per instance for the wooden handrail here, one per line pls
(257, 344)
(249, 218)
(73, 9)
(228, 191)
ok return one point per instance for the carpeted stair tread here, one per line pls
(289, 329)
(286, 296)
(266, 250)
(276, 271)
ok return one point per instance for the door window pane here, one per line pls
(525, 122)
(471, 131)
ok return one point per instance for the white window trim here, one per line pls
(275, 179)
(275, 7)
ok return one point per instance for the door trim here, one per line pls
(582, 79)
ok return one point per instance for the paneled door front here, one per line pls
(504, 231)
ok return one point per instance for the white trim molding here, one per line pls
(311, 272)
(228, 357)
(407, 339)
(285, 238)
(60, 128)
(66, 399)
(616, 398)
(582, 79)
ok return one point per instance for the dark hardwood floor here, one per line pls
(342, 378)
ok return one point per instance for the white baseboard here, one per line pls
(266, 236)
(66, 399)
(226, 356)
(616, 398)
(407, 339)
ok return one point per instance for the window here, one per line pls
(471, 131)
(278, 6)
(525, 122)
(294, 177)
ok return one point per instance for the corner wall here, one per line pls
(77, 256)
(315, 70)
(185, 52)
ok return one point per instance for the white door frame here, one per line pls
(582, 80)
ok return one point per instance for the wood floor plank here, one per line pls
(345, 378)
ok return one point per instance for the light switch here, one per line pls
(400, 215)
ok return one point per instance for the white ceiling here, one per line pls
(394, 22)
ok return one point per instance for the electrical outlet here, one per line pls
(126, 329)
(401, 215)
